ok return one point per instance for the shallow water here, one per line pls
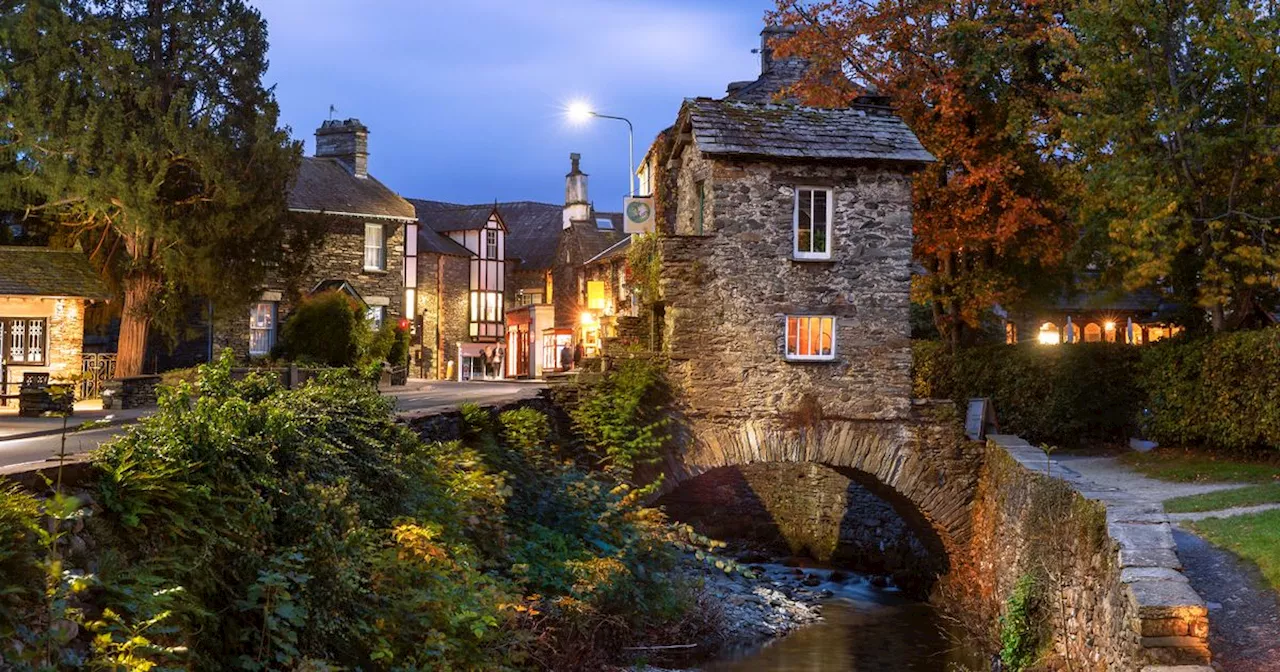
(864, 629)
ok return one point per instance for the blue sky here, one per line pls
(464, 98)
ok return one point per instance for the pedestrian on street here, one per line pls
(566, 357)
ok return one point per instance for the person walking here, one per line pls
(577, 355)
(566, 358)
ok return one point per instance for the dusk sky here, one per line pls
(464, 99)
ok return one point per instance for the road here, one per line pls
(423, 398)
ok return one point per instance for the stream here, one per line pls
(864, 628)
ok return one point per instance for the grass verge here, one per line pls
(1255, 538)
(1253, 495)
(1191, 466)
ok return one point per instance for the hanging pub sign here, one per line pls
(980, 419)
(638, 215)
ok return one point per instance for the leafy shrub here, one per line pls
(1221, 392)
(19, 547)
(1023, 625)
(245, 526)
(1064, 395)
(328, 328)
(621, 416)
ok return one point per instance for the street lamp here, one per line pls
(580, 112)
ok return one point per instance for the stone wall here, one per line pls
(727, 296)
(1114, 599)
(443, 305)
(64, 320)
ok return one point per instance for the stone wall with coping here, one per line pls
(1115, 594)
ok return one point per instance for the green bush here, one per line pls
(1062, 395)
(1023, 625)
(328, 328)
(1218, 392)
(621, 416)
(245, 526)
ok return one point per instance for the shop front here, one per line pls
(480, 361)
(524, 326)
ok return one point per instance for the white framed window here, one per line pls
(375, 247)
(23, 341)
(811, 337)
(812, 222)
(377, 316)
(490, 244)
(262, 327)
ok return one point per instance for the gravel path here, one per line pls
(1244, 614)
(1244, 620)
(1222, 513)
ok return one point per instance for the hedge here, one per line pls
(1220, 392)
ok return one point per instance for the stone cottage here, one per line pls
(43, 297)
(786, 268)
(363, 253)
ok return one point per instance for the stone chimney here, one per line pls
(346, 140)
(576, 205)
(770, 35)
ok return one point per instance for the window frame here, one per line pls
(491, 244)
(6, 341)
(376, 316)
(700, 220)
(796, 253)
(381, 247)
(786, 338)
(273, 331)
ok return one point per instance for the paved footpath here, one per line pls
(1244, 614)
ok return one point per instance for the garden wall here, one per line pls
(1109, 594)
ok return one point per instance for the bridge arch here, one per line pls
(921, 468)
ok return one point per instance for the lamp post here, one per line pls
(581, 112)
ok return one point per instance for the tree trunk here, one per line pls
(135, 323)
(1218, 317)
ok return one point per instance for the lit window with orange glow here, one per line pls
(1049, 334)
(811, 338)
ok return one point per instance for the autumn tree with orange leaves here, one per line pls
(977, 81)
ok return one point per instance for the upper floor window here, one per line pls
(811, 337)
(813, 223)
(375, 247)
(262, 327)
(490, 244)
(23, 340)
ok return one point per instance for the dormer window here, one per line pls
(375, 247)
(812, 223)
(490, 244)
(604, 223)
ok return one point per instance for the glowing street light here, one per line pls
(580, 112)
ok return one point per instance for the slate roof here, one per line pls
(1141, 301)
(446, 217)
(732, 128)
(533, 232)
(593, 240)
(325, 185)
(40, 271)
(765, 89)
(613, 251)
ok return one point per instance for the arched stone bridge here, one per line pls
(919, 466)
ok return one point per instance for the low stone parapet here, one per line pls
(1163, 616)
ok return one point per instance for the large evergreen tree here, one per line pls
(1178, 135)
(978, 82)
(144, 129)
